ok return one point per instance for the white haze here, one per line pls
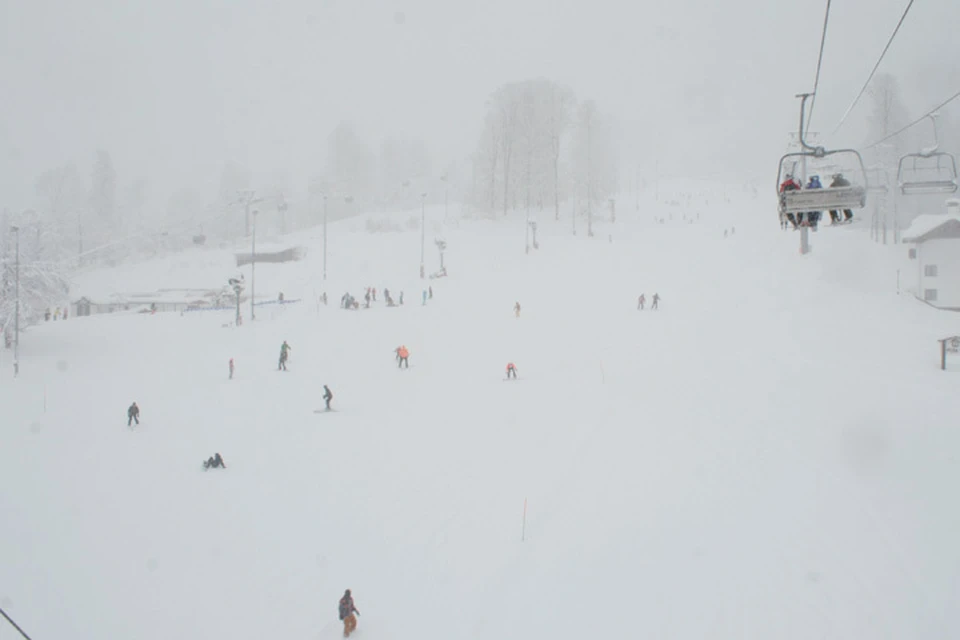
(175, 89)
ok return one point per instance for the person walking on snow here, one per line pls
(327, 396)
(642, 300)
(284, 354)
(348, 613)
(511, 371)
(424, 297)
(133, 414)
(231, 368)
(516, 309)
(402, 355)
(656, 302)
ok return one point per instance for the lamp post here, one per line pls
(423, 232)
(324, 237)
(16, 317)
(253, 267)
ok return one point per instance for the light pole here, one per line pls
(253, 267)
(324, 237)
(423, 231)
(16, 317)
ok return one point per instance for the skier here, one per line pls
(656, 302)
(374, 292)
(402, 357)
(347, 611)
(424, 297)
(214, 462)
(642, 300)
(790, 185)
(401, 297)
(231, 368)
(813, 217)
(284, 349)
(430, 291)
(516, 309)
(366, 299)
(840, 181)
(133, 414)
(511, 371)
(327, 396)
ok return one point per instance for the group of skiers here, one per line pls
(812, 218)
(347, 301)
(642, 301)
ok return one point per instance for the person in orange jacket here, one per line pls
(402, 354)
(511, 371)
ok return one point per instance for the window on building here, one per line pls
(930, 270)
(930, 295)
(912, 254)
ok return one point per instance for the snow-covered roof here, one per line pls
(925, 224)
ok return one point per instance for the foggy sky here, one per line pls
(175, 88)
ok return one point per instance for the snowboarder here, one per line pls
(511, 371)
(231, 368)
(214, 462)
(347, 611)
(327, 396)
(133, 414)
(656, 302)
(402, 355)
(516, 309)
(284, 351)
(642, 300)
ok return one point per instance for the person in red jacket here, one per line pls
(790, 184)
(347, 611)
(511, 371)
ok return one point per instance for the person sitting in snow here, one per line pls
(214, 462)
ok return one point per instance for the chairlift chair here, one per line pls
(878, 180)
(931, 177)
(826, 198)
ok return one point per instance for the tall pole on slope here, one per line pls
(423, 233)
(324, 237)
(16, 317)
(253, 268)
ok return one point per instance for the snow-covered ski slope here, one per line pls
(772, 454)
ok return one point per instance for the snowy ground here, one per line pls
(770, 455)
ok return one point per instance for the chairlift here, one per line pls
(936, 173)
(826, 198)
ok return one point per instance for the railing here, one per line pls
(14, 624)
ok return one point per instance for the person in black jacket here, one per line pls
(214, 462)
(327, 396)
(840, 181)
(347, 611)
(133, 414)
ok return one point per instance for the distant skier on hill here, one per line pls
(327, 396)
(347, 611)
(402, 357)
(516, 309)
(642, 300)
(133, 414)
(231, 368)
(284, 354)
(214, 462)
(511, 371)
(656, 302)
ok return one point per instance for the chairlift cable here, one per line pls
(915, 122)
(816, 80)
(883, 53)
